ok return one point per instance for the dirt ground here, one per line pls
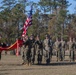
(11, 65)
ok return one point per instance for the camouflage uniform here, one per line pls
(27, 52)
(73, 49)
(22, 53)
(57, 46)
(62, 52)
(46, 49)
(70, 48)
(51, 48)
(38, 47)
(32, 47)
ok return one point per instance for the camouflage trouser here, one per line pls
(39, 56)
(27, 56)
(72, 55)
(32, 55)
(24, 56)
(51, 54)
(47, 56)
(57, 55)
(60, 55)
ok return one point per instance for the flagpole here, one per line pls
(17, 50)
(28, 22)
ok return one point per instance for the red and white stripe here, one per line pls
(26, 25)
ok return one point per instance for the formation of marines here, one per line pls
(35, 47)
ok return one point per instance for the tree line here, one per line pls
(49, 17)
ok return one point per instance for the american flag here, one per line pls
(27, 23)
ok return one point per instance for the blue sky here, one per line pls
(70, 8)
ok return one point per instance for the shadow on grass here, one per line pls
(20, 67)
(4, 73)
(61, 63)
(34, 67)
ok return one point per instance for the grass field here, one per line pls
(11, 65)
